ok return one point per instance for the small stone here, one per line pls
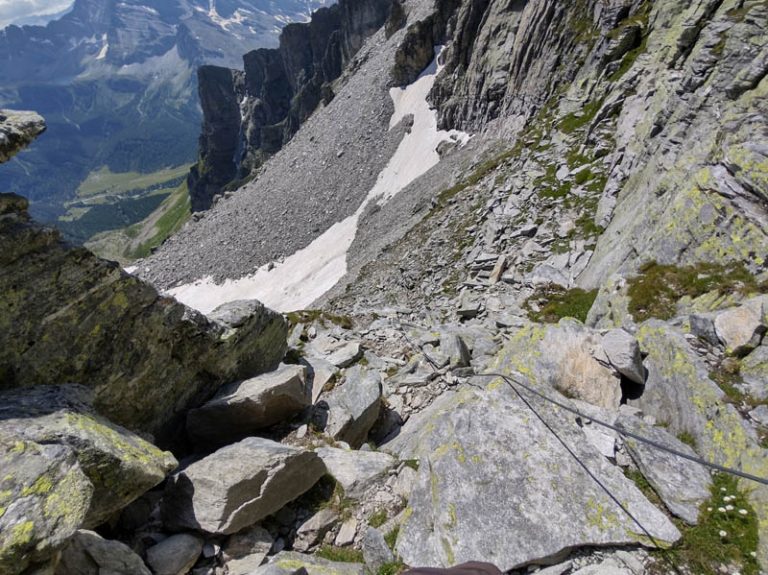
(175, 555)
(346, 535)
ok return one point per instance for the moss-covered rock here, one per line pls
(679, 393)
(120, 465)
(68, 316)
(44, 497)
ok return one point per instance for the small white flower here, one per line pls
(753, 553)
(721, 509)
(723, 533)
(723, 489)
(742, 511)
(729, 507)
(709, 509)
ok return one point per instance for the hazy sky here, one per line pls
(16, 11)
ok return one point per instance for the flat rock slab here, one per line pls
(346, 354)
(754, 372)
(120, 464)
(488, 467)
(238, 485)
(240, 409)
(355, 470)
(683, 485)
(88, 553)
(353, 406)
(44, 497)
(291, 561)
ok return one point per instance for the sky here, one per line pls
(30, 11)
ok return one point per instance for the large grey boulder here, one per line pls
(175, 555)
(682, 485)
(741, 328)
(489, 466)
(17, 130)
(376, 552)
(245, 551)
(355, 470)
(291, 561)
(88, 553)
(44, 498)
(353, 406)
(623, 352)
(120, 464)
(568, 357)
(238, 485)
(240, 409)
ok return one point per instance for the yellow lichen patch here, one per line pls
(41, 486)
(600, 517)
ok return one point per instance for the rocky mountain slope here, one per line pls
(518, 287)
(116, 82)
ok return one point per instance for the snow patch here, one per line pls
(305, 276)
(104, 48)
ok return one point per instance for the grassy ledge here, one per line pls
(554, 303)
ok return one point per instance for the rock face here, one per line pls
(44, 498)
(66, 315)
(682, 485)
(742, 328)
(249, 115)
(488, 465)
(175, 555)
(355, 470)
(239, 409)
(17, 130)
(238, 485)
(120, 465)
(87, 553)
(353, 406)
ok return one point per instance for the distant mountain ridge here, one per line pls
(117, 83)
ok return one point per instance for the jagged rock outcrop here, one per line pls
(249, 115)
(17, 130)
(66, 315)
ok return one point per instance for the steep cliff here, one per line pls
(249, 115)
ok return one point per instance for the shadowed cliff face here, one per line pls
(67, 316)
(249, 115)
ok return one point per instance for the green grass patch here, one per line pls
(313, 315)
(412, 463)
(342, 554)
(687, 438)
(392, 568)
(104, 181)
(555, 303)
(378, 519)
(176, 212)
(655, 291)
(391, 537)
(723, 538)
(574, 121)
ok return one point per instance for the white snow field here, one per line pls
(306, 275)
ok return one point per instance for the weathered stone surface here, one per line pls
(17, 130)
(353, 406)
(120, 465)
(68, 316)
(570, 358)
(683, 485)
(240, 409)
(238, 485)
(458, 506)
(245, 551)
(679, 393)
(741, 328)
(175, 555)
(754, 372)
(321, 372)
(623, 352)
(44, 498)
(346, 534)
(292, 561)
(355, 470)
(454, 348)
(376, 552)
(313, 529)
(703, 326)
(760, 415)
(346, 354)
(88, 553)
